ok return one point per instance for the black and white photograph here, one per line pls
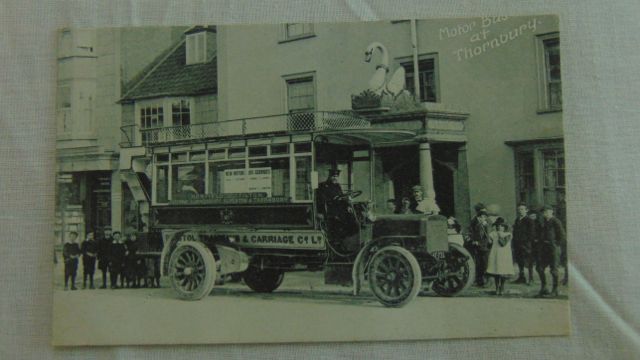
(310, 182)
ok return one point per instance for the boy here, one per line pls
(70, 253)
(116, 260)
(552, 237)
(89, 251)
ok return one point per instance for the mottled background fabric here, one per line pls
(600, 55)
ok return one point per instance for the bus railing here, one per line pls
(132, 135)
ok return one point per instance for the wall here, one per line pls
(205, 109)
(498, 87)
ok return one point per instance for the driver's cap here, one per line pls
(334, 172)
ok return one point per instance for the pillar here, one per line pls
(116, 201)
(461, 189)
(426, 175)
(426, 170)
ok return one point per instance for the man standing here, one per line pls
(420, 205)
(89, 251)
(552, 237)
(478, 244)
(523, 237)
(103, 255)
(70, 253)
(116, 260)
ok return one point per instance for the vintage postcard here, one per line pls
(300, 182)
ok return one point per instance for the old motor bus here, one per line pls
(241, 196)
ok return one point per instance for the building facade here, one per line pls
(485, 104)
(489, 91)
(94, 66)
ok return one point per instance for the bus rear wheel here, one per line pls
(263, 281)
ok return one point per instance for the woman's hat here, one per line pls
(499, 221)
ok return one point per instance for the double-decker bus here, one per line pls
(245, 197)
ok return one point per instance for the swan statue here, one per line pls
(378, 82)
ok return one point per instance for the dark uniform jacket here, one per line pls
(479, 232)
(131, 248)
(89, 250)
(524, 234)
(116, 255)
(70, 253)
(104, 245)
(327, 191)
(552, 232)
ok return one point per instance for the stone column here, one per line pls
(461, 189)
(426, 169)
(426, 175)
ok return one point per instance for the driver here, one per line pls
(334, 207)
(329, 192)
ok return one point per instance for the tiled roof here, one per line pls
(171, 77)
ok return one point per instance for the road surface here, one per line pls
(302, 309)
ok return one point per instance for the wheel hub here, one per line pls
(188, 270)
(392, 276)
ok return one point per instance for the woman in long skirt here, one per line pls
(500, 263)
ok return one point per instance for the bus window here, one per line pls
(303, 178)
(162, 184)
(223, 181)
(361, 178)
(187, 180)
(270, 176)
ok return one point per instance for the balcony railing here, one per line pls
(132, 135)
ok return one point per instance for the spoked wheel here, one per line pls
(394, 276)
(461, 271)
(263, 281)
(192, 270)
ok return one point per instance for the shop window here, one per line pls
(427, 76)
(540, 177)
(525, 178)
(554, 184)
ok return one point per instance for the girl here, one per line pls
(500, 262)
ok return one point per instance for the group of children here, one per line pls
(493, 247)
(118, 259)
